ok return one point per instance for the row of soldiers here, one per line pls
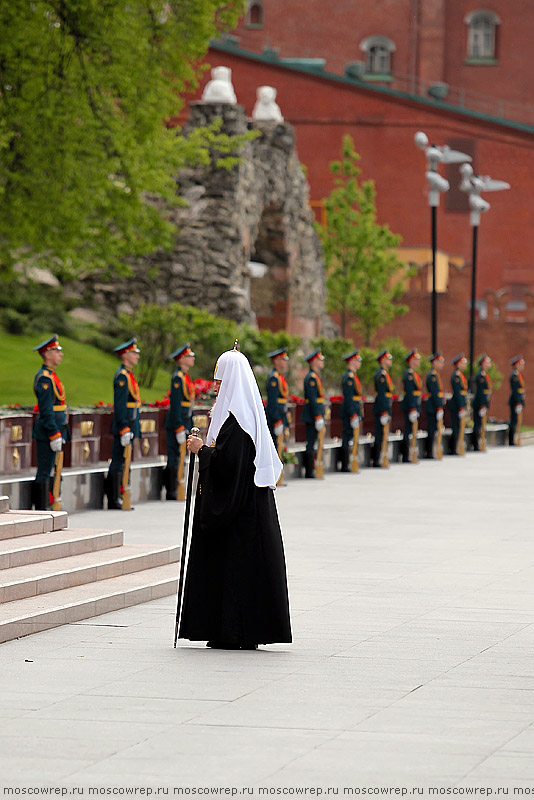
(352, 409)
(51, 430)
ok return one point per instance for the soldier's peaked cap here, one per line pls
(436, 355)
(412, 353)
(131, 344)
(184, 350)
(48, 344)
(481, 359)
(352, 355)
(282, 351)
(316, 354)
(383, 354)
(515, 359)
(457, 358)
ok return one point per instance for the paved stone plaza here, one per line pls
(412, 595)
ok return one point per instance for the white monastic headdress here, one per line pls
(239, 395)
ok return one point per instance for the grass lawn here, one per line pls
(86, 372)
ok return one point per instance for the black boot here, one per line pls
(511, 437)
(171, 484)
(309, 465)
(113, 490)
(429, 446)
(40, 495)
(452, 445)
(345, 457)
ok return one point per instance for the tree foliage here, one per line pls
(364, 271)
(85, 89)
(161, 329)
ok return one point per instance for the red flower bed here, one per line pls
(299, 401)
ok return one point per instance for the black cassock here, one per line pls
(235, 588)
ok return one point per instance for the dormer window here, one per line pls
(481, 35)
(254, 18)
(378, 50)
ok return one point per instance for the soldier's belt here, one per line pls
(389, 394)
(133, 405)
(356, 397)
(416, 393)
(281, 400)
(59, 408)
(318, 400)
(186, 403)
(463, 391)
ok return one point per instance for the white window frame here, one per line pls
(378, 50)
(481, 34)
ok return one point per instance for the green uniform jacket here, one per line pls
(126, 403)
(277, 392)
(384, 393)
(482, 391)
(352, 395)
(459, 391)
(52, 420)
(313, 395)
(412, 391)
(436, 396)
(517, 386)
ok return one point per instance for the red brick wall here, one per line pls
(430, 37)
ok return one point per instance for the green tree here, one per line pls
(364, 278)
(85, 89)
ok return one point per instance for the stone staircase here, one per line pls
(52, 575)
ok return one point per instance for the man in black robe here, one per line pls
(235, 593)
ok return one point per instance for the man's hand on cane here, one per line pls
(194, 443)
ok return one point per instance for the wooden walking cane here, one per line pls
(413, 443)
(517, 434)
(188, 500)
(439, 441)
(56, 489)
(126, 492)
(319, 471)
(180, 486)
(384, 460)
(354, 465)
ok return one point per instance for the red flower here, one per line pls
(336, 398)
(299, 401)
(36, 407)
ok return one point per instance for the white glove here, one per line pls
(126, 438)
(413, 415)
(439, 414)
(56, 444)
(355, 422)
(518, 408)
(319, 424)
(278, 429)
(180, 437)
(462, 412)
(482, 411)
(384, 419)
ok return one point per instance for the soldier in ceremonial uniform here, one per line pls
(458, 401)
(516, 400)
(411, 402)
(313, 412)
(383, 401)
(277, 393)
(352, 407)
(481, 400)
(178, 419)
(50, 429)
(125, 424)
(435, 401)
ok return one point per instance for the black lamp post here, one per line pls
(437, 184)
(474, 185)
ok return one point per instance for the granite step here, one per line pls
(18, 552)
(27, 523)
(64, 573)
(4, 503)
(35, 614)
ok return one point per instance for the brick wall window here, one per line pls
(482, 35)
(378, 55)
(254, 18)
